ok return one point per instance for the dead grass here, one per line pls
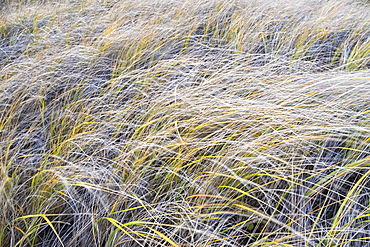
(166, 123)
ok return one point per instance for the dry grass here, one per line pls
(184, 123)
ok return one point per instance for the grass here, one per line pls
(166, 123)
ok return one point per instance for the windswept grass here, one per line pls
(184, 123)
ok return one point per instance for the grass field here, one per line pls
(184, 123)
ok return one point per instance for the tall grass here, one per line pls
(184, 123)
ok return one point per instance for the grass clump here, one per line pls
(215, 123)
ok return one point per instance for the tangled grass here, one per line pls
(184, 123)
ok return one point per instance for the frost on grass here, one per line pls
(216, 123)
